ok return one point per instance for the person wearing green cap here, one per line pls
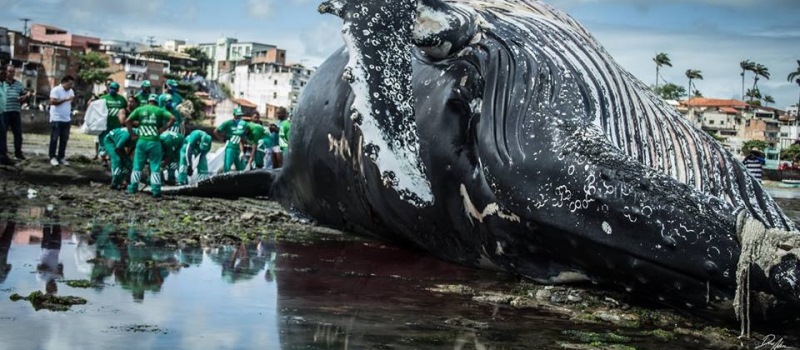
(170, 100)
(152, 121)
(143, 94)
(116, 143)
(255, 138)
(116, 105)
(171, 143)
(198, 142)
(232, 131)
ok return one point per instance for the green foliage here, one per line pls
(92, 69)
(226, 90)
(791, 153)
(716, 137)
(203, 60)
(757, 144)
(670, 91)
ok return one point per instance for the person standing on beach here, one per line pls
(60, 116)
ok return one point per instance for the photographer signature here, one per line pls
(771, 342)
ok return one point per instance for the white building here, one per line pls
(792, 111)
(121, 46)
(272, 84)
(227, 50)
(173, 45)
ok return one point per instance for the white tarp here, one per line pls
(95, 120)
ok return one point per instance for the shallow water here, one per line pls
(269, 294)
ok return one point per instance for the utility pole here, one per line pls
(25, 28)
(151, 40)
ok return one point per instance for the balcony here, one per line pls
(133, 68)
(133, 84)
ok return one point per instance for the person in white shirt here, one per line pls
(60, 116)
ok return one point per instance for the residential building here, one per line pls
(792, 111)
(122, 46)
(230, 51)
(40, 65)
(270, 84)
(767, 130)
(5, 45)
(173, 45)
(55, 35)
(131, 70)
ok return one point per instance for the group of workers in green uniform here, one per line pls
(153, 132)
(238, 134)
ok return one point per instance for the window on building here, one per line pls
(711, 122)
(274, 95)
(784, 134)
(276, 82)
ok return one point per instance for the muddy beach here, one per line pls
(324, 288)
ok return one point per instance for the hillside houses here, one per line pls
(738, 122)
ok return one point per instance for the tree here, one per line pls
(693, 74)
(790, 153)
(768, 100)
(753, 95)
(796, 77)
(759, 71)
(757, 144)
(92, 69)
(203, 60)
(697, 93)
(670, 91)
(661, 59)
(747, 66)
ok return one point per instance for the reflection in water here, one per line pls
(242, 262)
(7, 234)
(50, 268)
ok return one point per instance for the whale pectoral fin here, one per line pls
(249, 184)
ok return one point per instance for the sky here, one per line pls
(712, 36)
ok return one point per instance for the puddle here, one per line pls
(265, 294)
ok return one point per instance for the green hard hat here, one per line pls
(146, 84)
(152, 97)
(237, 111)
(205, 143)
(113, 85)
(172, 82)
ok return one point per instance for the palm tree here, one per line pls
(693, 74)
(768, 100)
(796, 77)
(747, 65)
(753, 94)
(760, 71)
(661, 59)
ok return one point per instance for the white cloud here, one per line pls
(260, 8)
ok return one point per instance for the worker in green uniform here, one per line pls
(116, 144)
(170, 100)
(232, 131)
(254, 137)
(198, 142)
(171, 143)
(284, 127)
(143, 94)
(152, 121)
(116, 105)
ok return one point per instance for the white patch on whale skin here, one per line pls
(499, 250)
(607, 228)
(402, 162)
(339, 147)
(491, 209)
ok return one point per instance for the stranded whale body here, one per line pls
(500, 134)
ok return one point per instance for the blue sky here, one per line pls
(710, 35)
